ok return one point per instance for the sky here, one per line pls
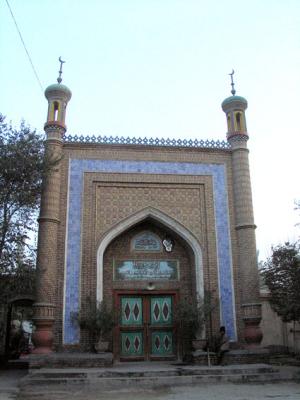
(159, 68)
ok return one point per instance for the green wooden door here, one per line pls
(146, 328)
(132, 335)
(162, 327)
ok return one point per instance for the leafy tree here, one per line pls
(21, 171)
(192, 316)
(297, 208)
(281, 273)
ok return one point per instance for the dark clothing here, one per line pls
(223, 347)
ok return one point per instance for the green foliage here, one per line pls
(192, 314)
(297, 208)
(96, 318)
(22, 167)
(20, 282)
(281, 274)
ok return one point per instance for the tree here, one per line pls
(281, 273)
(297, 208)
(193, 315)
(21, 170)
(98, 320)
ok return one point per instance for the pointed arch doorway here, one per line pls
(145, 264)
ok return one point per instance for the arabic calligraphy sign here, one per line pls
(146, 270)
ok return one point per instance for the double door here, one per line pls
(146, 328)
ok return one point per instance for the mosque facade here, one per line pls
(141, 224)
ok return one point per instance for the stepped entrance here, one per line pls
(146, 328)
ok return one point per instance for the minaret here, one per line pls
(58, 96)
(237, 135)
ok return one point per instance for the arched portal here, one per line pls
(146, 264)
(163, 219)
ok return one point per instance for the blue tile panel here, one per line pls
(73, 251)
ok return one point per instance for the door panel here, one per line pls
(162, 343)
(132, 311)
(161, 310)
(132, 344)
(161, 326)
(132, 330)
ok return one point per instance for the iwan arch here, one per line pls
(171, 224)
(142, 224)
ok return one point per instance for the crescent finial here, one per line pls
(59, 79)
(232, 83)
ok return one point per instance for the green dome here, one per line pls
(234, 99)
(58, 87)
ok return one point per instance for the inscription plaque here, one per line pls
(146, 241)
(146, 270)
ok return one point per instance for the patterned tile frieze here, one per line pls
(77, 168)
(173, 200)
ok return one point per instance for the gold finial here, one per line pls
(60, 70)
(232, 83)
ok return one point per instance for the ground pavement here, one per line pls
(10, 379)
(290, 391)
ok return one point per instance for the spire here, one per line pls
(234, 108)
(59, 79)
(58, 96)
(232, 83)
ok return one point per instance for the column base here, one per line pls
(42, 351)
(43, 335)
(252, 332)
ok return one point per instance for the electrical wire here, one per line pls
(22, 40)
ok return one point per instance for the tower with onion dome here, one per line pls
(237, 136)
(58, 96)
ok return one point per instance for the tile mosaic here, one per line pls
(72, 270)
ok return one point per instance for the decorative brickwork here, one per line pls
(105, 190)
(244, 225)
(204, 144)
(49, 219)
(77, 168)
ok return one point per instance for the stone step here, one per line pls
(123, 379)
(116, 373)
(285, 360)
(106, 384)
(40, 395)
(70, 360)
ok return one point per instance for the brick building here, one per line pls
(141, 224)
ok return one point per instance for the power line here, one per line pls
(28, 55)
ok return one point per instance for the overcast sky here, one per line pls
(159, 68)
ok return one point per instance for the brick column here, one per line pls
(58, 96)
(237, 136)
(47, 244)
(245, 230)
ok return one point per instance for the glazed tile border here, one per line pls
(77, 168)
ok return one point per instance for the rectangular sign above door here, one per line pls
(146, 270)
